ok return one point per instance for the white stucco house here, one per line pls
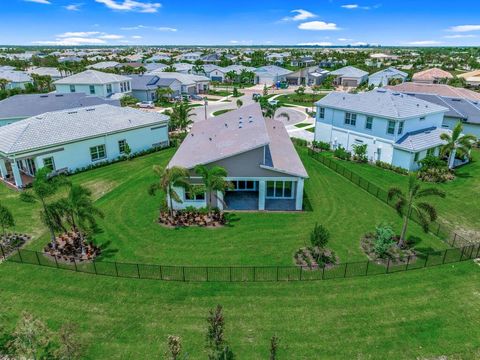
(71, 139)
(92, 82)
(383, 77)
(270, 75)
(398, 129)
(15, 79)
(263, 167)
(349, 76)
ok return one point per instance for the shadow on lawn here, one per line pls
(413, 241)
(107, 252)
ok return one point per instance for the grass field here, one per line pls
(459, 209)
(220, 112)
(305, 100)
(417, 314)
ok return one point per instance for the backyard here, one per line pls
(418, 314)
(306, 99)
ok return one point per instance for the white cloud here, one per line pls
(160, 28)
(300, 15)
(137, 37)
(46, 2)
(321, 43)
(318, 26)
(74, 41)
(111, 37)
(69, 34)
(344, 39)
(351, 6)
(460, 36)
(73, 7)
(424, 42)
(359, 43)
(131, 5)
(356, 6)
(464, 28)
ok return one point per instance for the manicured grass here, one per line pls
(423, 314)
(459, 209)
(305, 100)
(302, 125)
(130, 232)
(220, 112)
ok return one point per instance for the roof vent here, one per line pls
(44, 96)
(90, 109)
(226, 125)
(59, 95)
(71, 112)
(210, 138)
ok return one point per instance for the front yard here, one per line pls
(306, 100)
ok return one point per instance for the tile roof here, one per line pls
(438, 89)
(421, 140)
(349, 71)
(185, 79)
(15, 76)
(237, 132)
(431, 74)
(66, 126)
(23, 106)
(272, 70)
(92, 77)
(104, 65)
(380, 102)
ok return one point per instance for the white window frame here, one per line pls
(394, 126)
(122, 143)
(401, 125)
(193, 197)
(96, 149)
(52, 160)
(350, 119)
(292, 195)
(321, 113)
(367, 122)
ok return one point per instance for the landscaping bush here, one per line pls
(342, 154)
(319, 236)
(391, 167)
(384, 239)
(316, 256)
(436, 175)
(360, 152)
(299, 142)
(323, 146)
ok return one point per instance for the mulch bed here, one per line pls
(394, 255)
(68, 248)
(187, 218)
(307, 258)
(11, 241)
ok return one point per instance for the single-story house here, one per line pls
(191, 84)
(437, 89)
(214, 72)
(65, 59)
(54, 73)
(312, 75)
(144, 87)
(472, 78)
(75, 138)
(303, 61)
(263, 167)
(19, 107)
(191, 56)
(104, 65)
(16, 79)
(93, 82)
(431, 76)
(383, 77)
(271, 75)
(349, 76)
(398, 129)
(211, 58)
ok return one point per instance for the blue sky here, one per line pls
(240, 22)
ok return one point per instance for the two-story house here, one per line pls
(92, 82)
(398, 129)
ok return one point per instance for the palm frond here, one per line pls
(395, 192)
(428, 209)
(431, 192)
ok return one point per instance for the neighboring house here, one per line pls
(383, 57)
(239, 68)
(190, 84)
(312, 75)
(19, 107)
(211, 58)
(431, 76)
(438, 89)
(383, 77)
(183, 68)
(104, 65)
(144, 87)
(349, 76)
(472, 78)
(158, 57)
(69, 59)
(463, 110)
(191, 56)
(398, 129)
(16, 79)
(214, 72)
(76, 138)
(303, 61)
(54, 73)
(154, 66)
(271, 75)
(277, 58)
(97, 83)
(265, 170)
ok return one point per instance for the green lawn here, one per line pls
(305, 100)
(417, 314)
(130, 231)
(459, 209)
(302, 125)
(220, 112)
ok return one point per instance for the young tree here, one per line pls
(265, 90)
(169, 179)
(180, 116)
(456, 144)
(3, 83)
(43, 189)
(198, 68)
(319, 236)
(217, 346)
(174, 344)
(239, 103)
(213, 181)
(70, 345)
(411, 202)
(231, 76)
(6, 220)
(274, 344)
(31, 338)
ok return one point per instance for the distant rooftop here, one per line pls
(438, 89)
(92, 77)
(349, 71)
(431, 74)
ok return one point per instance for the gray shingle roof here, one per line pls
(389, 72)
(15, 76)
(382, 103)
(60, 127)
(272, 70)
(349, 71)
(92, 77)
(237, 132)
(421, 140)
(22, 106)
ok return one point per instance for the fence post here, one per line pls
(368, 187)
(408, 262)
(444, 256)
(95, 267)
(206, 269)
(478, 251)
(230, 274)
(366, 270)
(454, 238)
(345, 272)
(388, 266)
(38, 259)
(323, 272)
(301, 270)
(183, 273)
(378, 190)
(254, 273)
(75, 264)
(116, 268)
(138, 271)
(461, 255)
(3, 252)
(161, 272)
(56, 262)
(426, 260)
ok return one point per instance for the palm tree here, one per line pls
(3, 83)
(231, 76)
(456, 144)
(170, 68)
(44, 188)
(198, 68)
(163, 93)
(170, 178)
(180, 116)
(213, 181)
(410, 202)
(80, 212)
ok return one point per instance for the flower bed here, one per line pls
(187, 218)
(393, 254)
(314, 258)
(69, 247)
(11, 241)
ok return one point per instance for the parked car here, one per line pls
(196, 97)
(146, 104)
(255, 96)
(273, 102)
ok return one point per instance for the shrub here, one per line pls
(319, 236)
(323, 146)
(360, 152)
(384, 239)
(341, 153)
(391, 167)
(300, 142)
(431, 161)
(436, 175)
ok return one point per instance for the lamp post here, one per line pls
(205, 103)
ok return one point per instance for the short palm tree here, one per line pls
(43, 189)
(3, 83)
(410, 203)
(170, 178)
(213, 181)
(180, 115)
(456, 144)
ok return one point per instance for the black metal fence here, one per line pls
(446, 233)
(242, 273)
